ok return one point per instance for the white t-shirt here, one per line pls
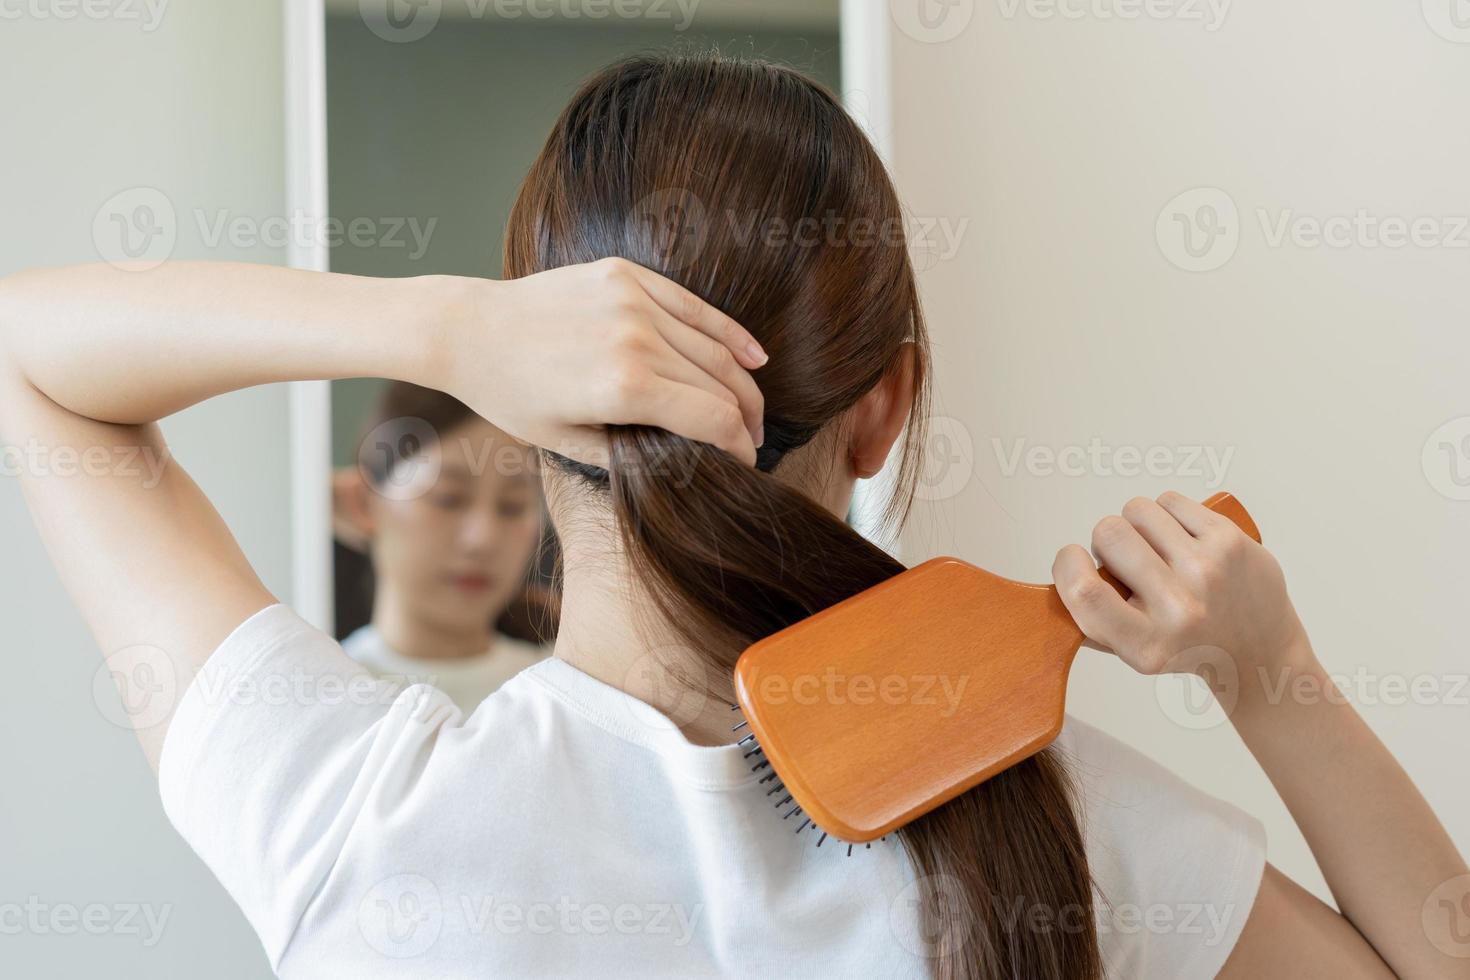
(467, 680)
(565, 828)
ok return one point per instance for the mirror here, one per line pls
(444, 563)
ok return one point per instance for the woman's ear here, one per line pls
(879, 416)
(352, 518)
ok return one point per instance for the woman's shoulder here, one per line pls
(1175, 868)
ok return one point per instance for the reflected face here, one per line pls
(456, 548)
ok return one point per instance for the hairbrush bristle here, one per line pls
(757, 754)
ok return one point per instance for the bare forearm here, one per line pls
(130, 347)
(1380, 846)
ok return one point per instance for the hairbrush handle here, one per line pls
(1221, 503)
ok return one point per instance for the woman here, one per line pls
(593, 817)
(448, 509)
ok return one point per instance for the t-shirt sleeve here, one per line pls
(274, 749)
(1176, 870)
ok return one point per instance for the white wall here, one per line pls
(189, 104)
(1323, 370)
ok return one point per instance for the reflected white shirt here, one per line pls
(467, 680)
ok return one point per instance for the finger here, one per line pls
(709, 364)
(1119, 546)
(696, 414)
(1192, 515)
(689, 309)
(1100, 612)
(1159, 528)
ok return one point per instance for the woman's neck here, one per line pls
(418, 638)
(608, 631)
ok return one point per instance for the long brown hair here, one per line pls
(748, 184)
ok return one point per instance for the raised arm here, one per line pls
(1207, 596)
(92, 356)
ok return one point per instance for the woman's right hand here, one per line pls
(555, 357)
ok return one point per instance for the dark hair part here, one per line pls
(748, 184)
(532, 613)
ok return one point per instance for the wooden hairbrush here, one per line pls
(876, 710)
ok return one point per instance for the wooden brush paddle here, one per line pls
(877, 710)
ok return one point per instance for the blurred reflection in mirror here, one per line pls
(441, 544)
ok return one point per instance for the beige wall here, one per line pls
(1318, 375)
(185, 104)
